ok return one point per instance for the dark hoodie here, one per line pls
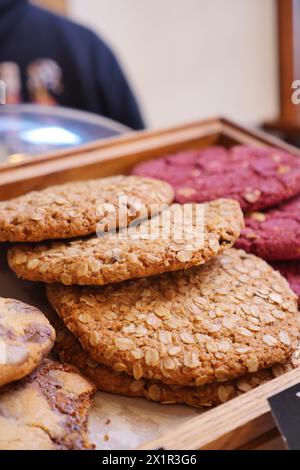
(47, 59)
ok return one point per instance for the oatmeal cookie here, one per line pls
(79, 208)
(106, 380)
(208, 230)
(216, 322)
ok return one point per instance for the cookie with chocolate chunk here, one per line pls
(274, 234)
(26, 337)
(178, 238)
(47, 410)
(215, 322)
(256, 177)
(80, 208)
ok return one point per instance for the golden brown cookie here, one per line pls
(78, 208)
(47, 410)
(26, 337)
(106, 380)
(216, 322)
(158, 246)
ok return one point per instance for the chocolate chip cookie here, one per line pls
(178, 238)
(215, 322)
(47, 410)
(80, 208)
(26, 337)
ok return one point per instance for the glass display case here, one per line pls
(29, 130)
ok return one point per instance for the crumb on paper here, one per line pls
(106, 437)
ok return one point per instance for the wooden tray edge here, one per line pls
(231, 425)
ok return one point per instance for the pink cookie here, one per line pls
(274, 234)
(256, 177)
(290, 270)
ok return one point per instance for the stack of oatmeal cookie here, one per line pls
(178, 317)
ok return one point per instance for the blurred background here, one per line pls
(189, 59)
(183, 60)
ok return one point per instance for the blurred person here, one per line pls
(48, 59)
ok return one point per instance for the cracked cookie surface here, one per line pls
(256, 177)
(78, 208)
(215, 322)
(47, 410)
(208, 230)
(26, 337)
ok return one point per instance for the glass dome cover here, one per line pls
(29, 130)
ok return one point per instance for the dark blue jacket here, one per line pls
(61, 62)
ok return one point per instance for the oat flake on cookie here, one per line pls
(215, 322)
(79, 208)
(206, 231)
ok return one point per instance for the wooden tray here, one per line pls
(244, 422)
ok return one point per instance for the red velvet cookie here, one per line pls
(291, 271)
(256, 177)
(274, 234)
